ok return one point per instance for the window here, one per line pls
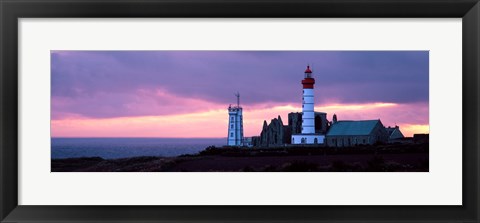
(231, 126)
(231, 118)
(231, 134)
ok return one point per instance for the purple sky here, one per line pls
(107, 84)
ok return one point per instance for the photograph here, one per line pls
(239, 111)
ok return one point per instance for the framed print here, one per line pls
(239, 111)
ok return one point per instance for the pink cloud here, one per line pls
(144, 102)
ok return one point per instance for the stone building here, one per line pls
(394, 134)
(352, 133)
(278, 134)
(273, 134)
(295, 122)
(337, 133)
(421, 138)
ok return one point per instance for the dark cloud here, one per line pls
(106, 83)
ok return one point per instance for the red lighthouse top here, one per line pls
(308, 81)
(308, 70)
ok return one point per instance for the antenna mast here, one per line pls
(238, 99)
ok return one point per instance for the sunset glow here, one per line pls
(212, 124)
(158, 94)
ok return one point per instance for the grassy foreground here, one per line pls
(377, 158)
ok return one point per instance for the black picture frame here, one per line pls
(12, 10)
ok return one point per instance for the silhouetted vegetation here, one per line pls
(374, 158)
(377, 164)
(72, 164)
(312, 150)
(300, 166)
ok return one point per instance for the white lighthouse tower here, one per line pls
(235, 124)
(308, 113)
(308, 135)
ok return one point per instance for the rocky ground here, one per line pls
(378, 158)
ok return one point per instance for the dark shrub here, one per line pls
(376, 164)
(341, 166)
(270, 168)
(248, 169)
(300, 166)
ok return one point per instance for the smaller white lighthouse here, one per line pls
(235, 124)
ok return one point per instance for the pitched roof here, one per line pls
(390, 130)
(394, 132)
(364, 127)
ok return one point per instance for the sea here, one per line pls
(113, 148)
